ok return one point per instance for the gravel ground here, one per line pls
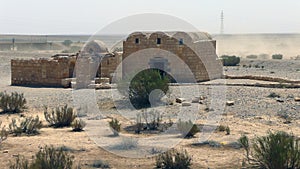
(253, 113)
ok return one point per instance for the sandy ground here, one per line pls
(253, 114)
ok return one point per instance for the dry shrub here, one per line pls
(173, 159)
(78, 125)
(60, 117)
(12, 103)
(45, 158)
(28, 126)
(187, 128)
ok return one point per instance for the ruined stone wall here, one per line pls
(109, 65)
(202, 63)
(39, 72)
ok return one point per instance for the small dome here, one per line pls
(95, 46)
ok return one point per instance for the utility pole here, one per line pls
(222, 23)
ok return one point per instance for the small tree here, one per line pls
(143, 84)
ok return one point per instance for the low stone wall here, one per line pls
(39, 72)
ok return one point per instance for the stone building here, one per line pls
(186, 57)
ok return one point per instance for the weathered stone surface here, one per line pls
(194, 52)
(202, 98)
(180, 100)
(281, 100)
(297, 99)
(186, 104)
(229, 103)
(195, 100)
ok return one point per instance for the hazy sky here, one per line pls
(89, 16)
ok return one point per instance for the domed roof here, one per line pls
(193, 36)
(95, 46)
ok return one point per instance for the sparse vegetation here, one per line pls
(174, 159)
(60, 117)
(187, 128)
(223, 128)
(276, 150)
(244, 141)
(143, 84)
(46, 158)
(273, 95)
(127, 143)
(20, 163)
(12, 103)
(230, 60)
(3, 133)
(100, 164)
(78, 125)
(152, 119)
(116, 126)
(139, 125)
(28, 126)
(227, 129)
(277, 56)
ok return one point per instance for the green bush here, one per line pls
(67, 42)
(60, 117)
(143, 84)
(277, 56)
(46, 158)
(116, 126)
(173, 159)
(230, 60)
(3, 133)
(187, 128)
(276, 150)
(12, 103)
(28, 126)
(78, 125)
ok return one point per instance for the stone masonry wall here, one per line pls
(200, 56)
(39, 72)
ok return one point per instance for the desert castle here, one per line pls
(187, 57)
